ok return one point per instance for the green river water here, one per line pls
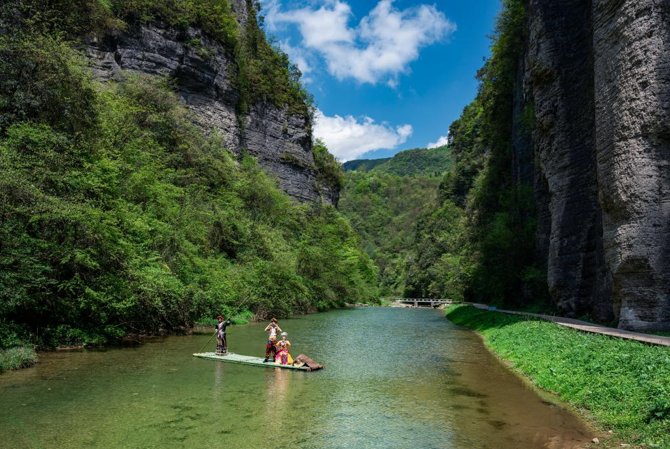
(394, 378)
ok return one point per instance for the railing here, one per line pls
(417, 302)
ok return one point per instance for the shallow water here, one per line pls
(394, 378)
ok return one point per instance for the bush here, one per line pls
(17, 357)
(328, 170)
(42, 80)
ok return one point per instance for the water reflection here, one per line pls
(218, 380)
(277, 382)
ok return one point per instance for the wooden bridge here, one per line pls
(422, 302)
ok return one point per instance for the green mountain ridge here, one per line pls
(384, 198)
(418, 161)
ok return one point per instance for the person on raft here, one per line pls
(270, 349)
(220, 329)
(273, 327)
(283, 346)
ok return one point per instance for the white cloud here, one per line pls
(442, 141)
(380, 47)
(348, 138)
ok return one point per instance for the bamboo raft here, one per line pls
(309, 364)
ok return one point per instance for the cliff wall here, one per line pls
(597, 76)
(204, 73)
(632, 92)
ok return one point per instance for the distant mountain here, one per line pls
(383, 198)
(417, 162)
(364, 164)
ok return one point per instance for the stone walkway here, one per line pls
(588, 327)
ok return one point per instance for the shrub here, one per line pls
(17, 357)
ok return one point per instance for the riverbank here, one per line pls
(623, 386)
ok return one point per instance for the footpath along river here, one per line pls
(394, 378)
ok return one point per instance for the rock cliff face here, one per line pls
(204, 75)
(597, 73)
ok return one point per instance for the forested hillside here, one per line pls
(467, 229)
(120, 215)
(383, 199)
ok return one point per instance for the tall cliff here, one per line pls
(206, 75)
(562, 167)
(597, 75)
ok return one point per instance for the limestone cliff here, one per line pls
(597, 75)
(204, 74)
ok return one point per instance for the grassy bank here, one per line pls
(623, 385)
(18, 357)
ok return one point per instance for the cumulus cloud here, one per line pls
(442, 141)
(378, 48)
(348, 138)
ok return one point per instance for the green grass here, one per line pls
(624, 385)
(17, 357)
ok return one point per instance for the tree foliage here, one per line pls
(329, 171)
(384, 208)
(118, 215)
(479, 242)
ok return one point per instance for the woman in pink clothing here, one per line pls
(283, 347)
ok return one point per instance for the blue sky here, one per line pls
(386, 75)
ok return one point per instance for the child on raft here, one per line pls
(283, 347)
(270, 349)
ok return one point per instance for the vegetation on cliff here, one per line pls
(474, 236)
(623, 384)
(478, 241)
(119, 215)
(329, 170)
(263, 71)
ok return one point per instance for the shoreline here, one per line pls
(27, 356)
(623, 400)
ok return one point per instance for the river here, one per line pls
(394, 378)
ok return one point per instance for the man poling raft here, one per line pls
(221, 340)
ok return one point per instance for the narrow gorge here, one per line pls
(558, 197)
